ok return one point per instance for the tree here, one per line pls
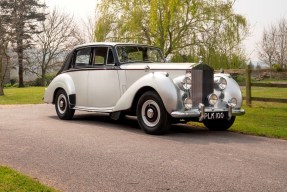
(85, 32)
(267, 47)
(51, 46)
(3, 55)
(272, 48)
(185, 27)
(22, 15)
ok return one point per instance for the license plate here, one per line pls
(215, 115)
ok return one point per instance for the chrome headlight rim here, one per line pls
(187, 81)
(212, 99)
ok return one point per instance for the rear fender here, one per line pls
(62, 81)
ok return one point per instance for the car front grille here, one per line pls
(202, 84)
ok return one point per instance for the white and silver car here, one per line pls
(132, 79)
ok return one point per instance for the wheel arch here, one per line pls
(136, 98)
(62, 81)
(159, 82)
(71, 97)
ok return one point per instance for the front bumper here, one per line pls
(201, 110)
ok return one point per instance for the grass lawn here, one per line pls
(263, 119)
(11, 180)
(27, 95)
(267, 92)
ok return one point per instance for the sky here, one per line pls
(260, 14)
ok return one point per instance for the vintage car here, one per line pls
(132, 79)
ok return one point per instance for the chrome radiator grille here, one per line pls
(202, 83)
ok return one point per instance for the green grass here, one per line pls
(270, 81)
(267, 92)
(263, 119)
(28, 95)
(12, 181)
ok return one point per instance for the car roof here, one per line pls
(108, 44)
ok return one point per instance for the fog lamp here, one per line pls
(212, 99)
(187, 103)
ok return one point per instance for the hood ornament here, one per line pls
(200, 60)
(147, 68)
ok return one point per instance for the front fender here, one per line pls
(232, 91)
(63, 81)
(161, 83)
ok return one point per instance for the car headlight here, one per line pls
(187, 103)
(186, 82)
(220, 83)
(212, 99)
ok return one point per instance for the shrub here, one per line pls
(278, 67)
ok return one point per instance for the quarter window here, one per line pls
(83, 57)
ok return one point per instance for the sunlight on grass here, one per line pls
(263, 119)
(28, 95)
(11, 180)
(267, 92)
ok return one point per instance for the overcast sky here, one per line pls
(259, 13)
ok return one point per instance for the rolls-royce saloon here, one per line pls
(132, 79)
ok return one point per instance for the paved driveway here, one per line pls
(93, 153)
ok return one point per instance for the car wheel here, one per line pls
(62, 106)
(219, 125)
(152, 115)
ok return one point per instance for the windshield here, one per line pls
(137, 53)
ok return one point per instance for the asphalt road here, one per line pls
(93, 153)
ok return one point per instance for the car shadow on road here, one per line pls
(178, 132)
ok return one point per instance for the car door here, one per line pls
(81, 63)
(103, 80)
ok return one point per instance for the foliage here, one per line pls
(21, 17)
(11, 180)
(28, 95)
(278, 67)
(38, 82)
(189, 28)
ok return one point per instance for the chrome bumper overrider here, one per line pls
(200, 112)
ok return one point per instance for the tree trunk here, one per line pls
(20, 62)
(1, 78)
(43, 80)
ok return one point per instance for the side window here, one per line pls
(153, 55)
(83, 58)
(100, 55)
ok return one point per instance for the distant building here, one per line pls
(5, 66)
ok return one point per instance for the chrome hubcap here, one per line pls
(150, 113)
(62, 103)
